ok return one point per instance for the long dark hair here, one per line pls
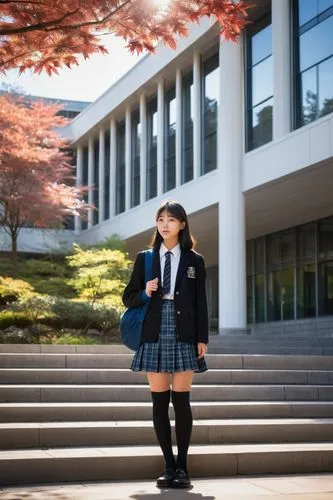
(176, 210)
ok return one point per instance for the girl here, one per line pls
(175, 332)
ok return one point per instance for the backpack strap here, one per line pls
(148, 264)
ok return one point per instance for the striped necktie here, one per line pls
(167, 273)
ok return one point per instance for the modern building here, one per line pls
(242, 135)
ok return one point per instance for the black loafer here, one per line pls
(166, 478)
(181, 479)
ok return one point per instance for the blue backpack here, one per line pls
(132, 320)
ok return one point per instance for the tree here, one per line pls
(100, 274)
(35, 170)
(45, 35)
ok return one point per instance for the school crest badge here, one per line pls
(191, 272)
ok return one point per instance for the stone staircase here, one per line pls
(73, 413)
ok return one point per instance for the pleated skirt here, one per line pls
(167, 354)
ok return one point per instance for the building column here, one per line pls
(281, 68)
(90, 180)
(128, 158)
(101, 175)
(79, 174)
(179, 127)
(160, 137)
(143, 147)
(113, 166)
(232, 238)
(197, 115)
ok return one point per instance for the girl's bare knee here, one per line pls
(159, 382)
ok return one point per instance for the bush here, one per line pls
(10, 318)
(72, 314)
(53, 286)
(12, 290)
(68, 338)
(39, 267)
(35, 308)
(99, 273)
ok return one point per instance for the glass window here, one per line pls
(308, 9)
(187, 137)
(249, 300)
(107, 176)
(314, 60)
(261, 44)
(325, 79)
(96, 181)
(325, 288)
(151, 188)
(170, 141)
(210, 111)
(306, 243)
(325, 229)
(84, 222)
(120, 170)
(306, 291)
(135, 166)
(259, 84)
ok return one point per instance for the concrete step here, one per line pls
(141, 433)
(85, 411)
(214, 361)
(108, 392)
(125, 376)
(289, 351)
(133, 462)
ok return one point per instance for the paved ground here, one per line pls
(290, 487)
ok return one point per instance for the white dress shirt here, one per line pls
(175, 258)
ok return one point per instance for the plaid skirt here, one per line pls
(167, 354)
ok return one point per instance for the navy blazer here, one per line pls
(190, 298)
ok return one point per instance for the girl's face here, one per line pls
(168, 226)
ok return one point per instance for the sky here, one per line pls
(84, 82)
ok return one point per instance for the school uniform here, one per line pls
(175, 321)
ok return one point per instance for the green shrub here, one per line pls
(35, 308)
(39, 267)
(83, 315)
(10, 318)
(68, 338)
(53, 286)
(13, 289)
(99, 273)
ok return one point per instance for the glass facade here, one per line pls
(211, 84)
(290, 273)
(170, 141)
(259, 83)
(107, 177)
(135, 162)
(120, 169)
(151, 187)
(96, 181)
(313, 41)
(187, 129)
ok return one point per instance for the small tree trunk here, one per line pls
(14, 252)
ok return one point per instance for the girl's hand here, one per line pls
(202, 349)
(151, 286)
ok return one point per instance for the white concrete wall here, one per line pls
(38, 240)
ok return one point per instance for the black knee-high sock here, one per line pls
(184, 424)
(162, 425)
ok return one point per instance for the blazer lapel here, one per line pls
(183, 264)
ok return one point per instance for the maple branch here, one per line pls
(19, 1)
(36, 27)
(91, 23)
(55, 26)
